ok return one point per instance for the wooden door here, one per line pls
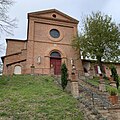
(56, 63)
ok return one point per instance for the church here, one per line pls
(47, 46)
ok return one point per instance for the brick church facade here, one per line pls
(48, 45)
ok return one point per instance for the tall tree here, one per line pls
(6, 23)
(99, 39)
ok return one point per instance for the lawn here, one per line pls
(35, 98)
(95, 82)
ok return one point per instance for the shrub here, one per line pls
(112, 91)
(64, 76)
(115, 75)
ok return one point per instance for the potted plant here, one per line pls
(113, 95)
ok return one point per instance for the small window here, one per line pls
(54, 15)
(54, 33)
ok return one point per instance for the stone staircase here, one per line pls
(94, 103)
(97, 102)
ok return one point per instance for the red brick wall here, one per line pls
(14, 46)
(40, 43)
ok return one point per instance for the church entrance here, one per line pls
(55, 62)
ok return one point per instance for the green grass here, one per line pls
(35, 98)
(95, 82)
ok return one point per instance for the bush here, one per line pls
(115, 75)
(64, 76)
(112, 91)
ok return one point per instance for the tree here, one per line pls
(99, 39)
(64, 76)
(1, 68)
(115, 75)
(6, 23)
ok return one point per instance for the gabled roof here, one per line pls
(41, 13)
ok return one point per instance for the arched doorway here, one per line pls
(17, 69)
(55, 62)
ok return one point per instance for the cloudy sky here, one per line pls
(74, 8)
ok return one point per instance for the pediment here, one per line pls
(53, 14)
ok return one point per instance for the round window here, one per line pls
(55, 33)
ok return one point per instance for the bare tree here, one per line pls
(1, 68)
(6, 23)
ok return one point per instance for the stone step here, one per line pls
(105, 113)
(102, 105)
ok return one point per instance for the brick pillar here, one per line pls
(32, 69)
(102, 84)
(74, 86)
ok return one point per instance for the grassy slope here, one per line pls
(35, 98)
(95, 82)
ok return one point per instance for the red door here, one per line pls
(56, 62)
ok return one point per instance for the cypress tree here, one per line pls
(115, 75)
(64, 76)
